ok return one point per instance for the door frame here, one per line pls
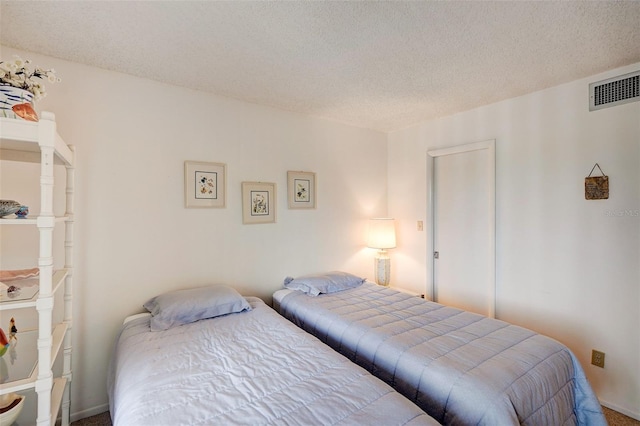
(490, 146)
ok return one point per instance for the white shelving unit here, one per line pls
(40, 142)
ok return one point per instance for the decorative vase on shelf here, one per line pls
(10, 407)
(17, 103)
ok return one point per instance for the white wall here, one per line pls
(566, 267)
(134, 238)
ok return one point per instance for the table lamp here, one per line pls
(382, 236)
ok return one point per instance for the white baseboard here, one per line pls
(89, 412)
(629, 413)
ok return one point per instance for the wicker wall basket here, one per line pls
(596, 187)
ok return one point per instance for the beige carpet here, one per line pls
(616, 419)
(613, 418)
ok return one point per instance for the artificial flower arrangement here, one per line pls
(18, 73)
(20, 85)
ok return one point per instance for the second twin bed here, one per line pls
(459, 367)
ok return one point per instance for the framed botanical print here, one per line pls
(301, 190)
(205, 184)
(258, 202)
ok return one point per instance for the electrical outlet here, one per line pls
(597, 358)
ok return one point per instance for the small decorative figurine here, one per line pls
(22, 212)
(13, 291)
(12, 330)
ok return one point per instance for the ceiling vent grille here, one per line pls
(614, 91)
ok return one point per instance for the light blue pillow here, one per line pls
(185, 306)
(330, 282)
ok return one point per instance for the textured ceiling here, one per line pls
(380, 65)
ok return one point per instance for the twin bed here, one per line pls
(245, 366)
(459, 367)
(209, 356)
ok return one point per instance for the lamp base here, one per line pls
(382, 265)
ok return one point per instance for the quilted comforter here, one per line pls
(461, 368)
(250, 368)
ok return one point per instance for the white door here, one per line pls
(462, 249)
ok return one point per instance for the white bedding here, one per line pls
(247, 368)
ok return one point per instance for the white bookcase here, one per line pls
(40, 142)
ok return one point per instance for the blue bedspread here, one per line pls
(461, 368)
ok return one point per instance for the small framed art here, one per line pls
(205, 184)
(301, 190)
(258, 202)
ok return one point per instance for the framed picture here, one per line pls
(258, 202)
(301, 190)
(205, 184)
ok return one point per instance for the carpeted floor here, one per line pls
(616, 419)
(613, 418)
(103, 419)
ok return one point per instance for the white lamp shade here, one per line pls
(382, 233)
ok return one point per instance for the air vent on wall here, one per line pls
(614, 91)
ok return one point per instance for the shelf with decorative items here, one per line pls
(22, 371)
(39, 141)
(28, 292)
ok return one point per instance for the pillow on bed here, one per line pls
(330, 282)
(185, 306)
